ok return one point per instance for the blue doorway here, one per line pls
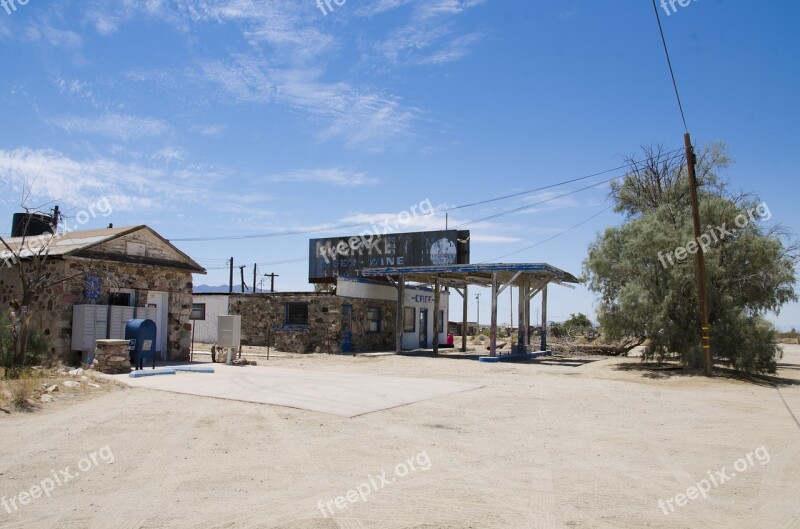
(347, 328)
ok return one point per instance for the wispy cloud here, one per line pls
(334, 176)
(283, 56)
(41, 32)
(119, 126)
(487, 238)
(170, 154)
(382, 6)
(362, 118)
(105, 22)
(208, 130)
(452, 51)
(48, 175)
(430, 37)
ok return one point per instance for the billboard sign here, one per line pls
(346, 256)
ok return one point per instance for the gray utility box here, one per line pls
(89, 323)
(229, 331)
(118, 319)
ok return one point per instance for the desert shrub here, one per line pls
(38, 348)
(22, 391)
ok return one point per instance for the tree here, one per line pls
(578, 321)
(644, 271)
(29, 259)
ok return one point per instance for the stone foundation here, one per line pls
(112, 357)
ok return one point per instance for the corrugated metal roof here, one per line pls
(64, 244)
(480, 274)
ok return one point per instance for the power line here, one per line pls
(543, 188)
(539, 203)
(264, 235)
(550, 238)
(463, 206)
(530, 206)
(669, 63)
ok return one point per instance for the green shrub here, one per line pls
(37, 353)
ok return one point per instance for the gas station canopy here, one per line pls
(529, 278)
(475, 274)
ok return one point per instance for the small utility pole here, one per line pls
(255, 267)
(705, 329)
(272, 281)
(241, 271)
(230, 285)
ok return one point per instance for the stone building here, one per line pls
(358, 317)
(123, 272)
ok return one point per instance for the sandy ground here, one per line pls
(573, 443)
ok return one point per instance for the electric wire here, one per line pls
(445, 210)
(558, 184)
(581, 223)
(669, 63)
(550, 199)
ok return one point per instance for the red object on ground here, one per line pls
(450, 340)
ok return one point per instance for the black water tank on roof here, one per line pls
(30, 224)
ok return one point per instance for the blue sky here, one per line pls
(245, 117)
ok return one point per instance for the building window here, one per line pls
(441, 321)
(296, 313)
(198, 311)
(373, 320)
(409, 319)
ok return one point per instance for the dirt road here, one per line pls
(560, 445)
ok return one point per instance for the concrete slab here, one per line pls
(514, 356)
(194, 369)
(142, 373)
(343, 394)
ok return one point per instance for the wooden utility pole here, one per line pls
(241, 270)
(272, 281)
(230, 284)
(702, 291)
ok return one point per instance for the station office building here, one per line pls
(359, 315)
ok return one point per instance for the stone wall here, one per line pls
(264, 315)
(112, 357)
(52, 308)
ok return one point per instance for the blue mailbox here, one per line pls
(141, 336)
